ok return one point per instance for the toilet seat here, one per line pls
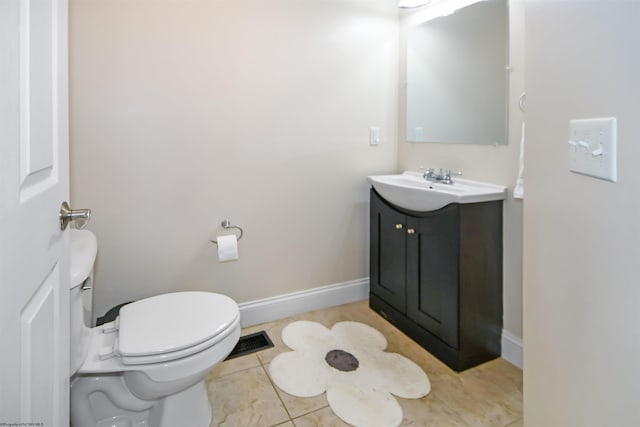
(170, 326)
(165, 357)
(160, 370)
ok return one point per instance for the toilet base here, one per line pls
(189, 408)
(102, 401)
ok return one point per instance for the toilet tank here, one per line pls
(83, 251)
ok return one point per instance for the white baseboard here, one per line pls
(281, 306)
(512, 349)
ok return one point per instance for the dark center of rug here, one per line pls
(341, 360)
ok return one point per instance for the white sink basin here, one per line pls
(411, 191)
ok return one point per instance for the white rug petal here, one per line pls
(364, 408)
(357, 335)
(299, 373)
(401, 376)
(306, 335)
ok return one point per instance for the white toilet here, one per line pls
(147, 368)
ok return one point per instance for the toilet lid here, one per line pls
(172, 322)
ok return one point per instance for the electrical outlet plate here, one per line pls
(592, 147)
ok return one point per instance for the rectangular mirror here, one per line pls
(457, 76)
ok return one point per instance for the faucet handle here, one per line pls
(446, 178)
(428, 172)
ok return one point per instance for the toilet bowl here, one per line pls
(146, 368)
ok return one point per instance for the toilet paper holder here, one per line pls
(226, 224)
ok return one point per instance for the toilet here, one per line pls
(146, 368)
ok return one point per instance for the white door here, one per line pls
(34, 180)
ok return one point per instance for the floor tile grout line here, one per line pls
(466, 377)
(226, 374)
(276, 391)
(291, 418)
(316, 410)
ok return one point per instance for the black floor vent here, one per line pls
(250, 344)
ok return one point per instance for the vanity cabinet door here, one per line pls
(388, 253)
(432, 273)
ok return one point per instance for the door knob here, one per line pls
(410, 231)
(398, 226)
(67, 215)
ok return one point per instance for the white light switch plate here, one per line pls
(592, 147)
(374, 135)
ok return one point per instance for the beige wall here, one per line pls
(581, 235)
(493, 164)
(184, 113)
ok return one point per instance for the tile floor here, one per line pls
(242, 394)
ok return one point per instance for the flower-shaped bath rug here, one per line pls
(348, 361)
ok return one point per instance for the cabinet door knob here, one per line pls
(410, 231)
(399, 226)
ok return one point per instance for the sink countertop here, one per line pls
(410, 190)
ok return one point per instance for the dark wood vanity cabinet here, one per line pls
(437, 276)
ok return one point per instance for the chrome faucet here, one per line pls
(442, 177)
(429, 174)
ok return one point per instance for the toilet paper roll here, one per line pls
(227, 247)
